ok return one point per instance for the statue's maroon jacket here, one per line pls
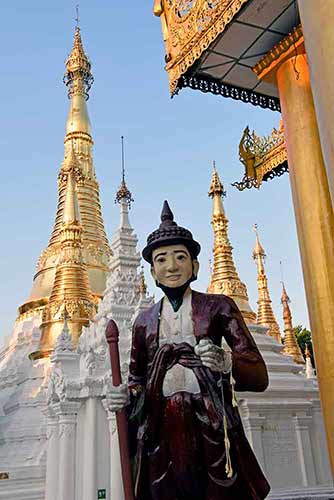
(214, 317)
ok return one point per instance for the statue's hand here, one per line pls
(117, 397)
(214, 357)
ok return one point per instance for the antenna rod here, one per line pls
(77, 17)
(123, 170)
(281, 268)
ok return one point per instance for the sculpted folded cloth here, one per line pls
(178, 442)
(211, 356)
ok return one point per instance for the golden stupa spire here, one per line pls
(78, 77)
(71, 297)
(265, 314)
(78, 157)
(291, 346)
(224, 278)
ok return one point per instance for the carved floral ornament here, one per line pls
(189, 27)
(263, 157)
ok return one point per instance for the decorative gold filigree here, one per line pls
(189, 27)
(96, 252)
(263, 157)
(63, 176)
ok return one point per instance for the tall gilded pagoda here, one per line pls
(225, 278)
(76, 179)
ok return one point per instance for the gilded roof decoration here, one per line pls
(263, 157)
(189, 27)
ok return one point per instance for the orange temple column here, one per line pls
(319, 42)
(286, 66)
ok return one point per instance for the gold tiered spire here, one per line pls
(291, 346)
(224, 277)
(71, 297)
(265, 314)
(78, 149)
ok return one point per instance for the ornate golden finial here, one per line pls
(123, 193)
(291, 346)
(78, 77)
(258, 249)
(216, 187)
(71, 296)
(265, 314)
(224, 276)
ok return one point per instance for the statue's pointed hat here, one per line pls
(169, 233)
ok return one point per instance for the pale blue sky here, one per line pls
(170, 145)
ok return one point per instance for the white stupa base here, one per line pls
(24, 483)
(285, 428)
(317, 493)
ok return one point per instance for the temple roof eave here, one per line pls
(209, 47)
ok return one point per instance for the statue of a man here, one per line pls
(186, 435)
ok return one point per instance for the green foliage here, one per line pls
(304, 338)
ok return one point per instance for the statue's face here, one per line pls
(172, 265)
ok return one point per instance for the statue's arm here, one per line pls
(248, 367)
(136, 384)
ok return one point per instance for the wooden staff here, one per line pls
(112, 336)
